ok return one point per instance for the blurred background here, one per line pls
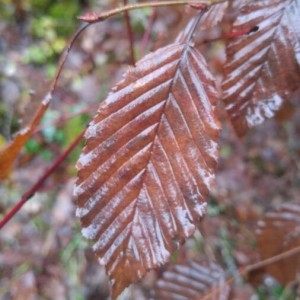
(42, 253)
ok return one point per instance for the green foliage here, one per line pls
(51, 134)
(6, 9)
(71, 258)
(72, 129)
(60, 15)
(139, 19)
(214, 208)
(32, 146)
(273, 292)
(52, 23)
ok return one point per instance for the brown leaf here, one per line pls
(191, 281)
(280, 232)
(149, 163)
(262, 68)
(9, 152)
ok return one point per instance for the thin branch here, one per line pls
(261, 264)
(64, 56)
(271, 260)
(130, 35)
(29, 193)
(93, 17)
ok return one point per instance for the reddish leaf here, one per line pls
(280, 232)
(262, 68)
(194, 280)
(149, 163)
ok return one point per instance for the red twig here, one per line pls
(29, 193)
(130, 35)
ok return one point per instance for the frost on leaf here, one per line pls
(149, 163)
(279, 232)
(262, 67)
(191, 281)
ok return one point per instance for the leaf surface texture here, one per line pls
(278, 232)
(193, 280)
(149, 163)
(262, 67)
